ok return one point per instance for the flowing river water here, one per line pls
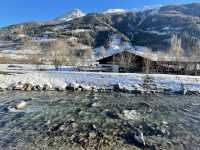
(78, 120)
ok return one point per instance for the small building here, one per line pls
(136, 61)
(127, 62)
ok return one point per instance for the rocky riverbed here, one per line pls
(84, 120)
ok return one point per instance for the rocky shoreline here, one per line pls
(100, 82)
(146, 88)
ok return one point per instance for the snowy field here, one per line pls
(13, 74)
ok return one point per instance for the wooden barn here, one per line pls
(131, 61)
(127, 62)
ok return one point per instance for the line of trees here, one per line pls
(63, 54)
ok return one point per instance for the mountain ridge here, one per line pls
(150, 28)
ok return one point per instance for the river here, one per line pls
(81, 120)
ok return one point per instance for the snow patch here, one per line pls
(72, 15)
(115, 11)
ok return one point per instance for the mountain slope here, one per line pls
(150, 28)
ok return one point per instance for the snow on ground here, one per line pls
(30, 68)
(78, 30)
(129, 81)
(10, 55)
(157, 32)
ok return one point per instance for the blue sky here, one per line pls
(17, 11)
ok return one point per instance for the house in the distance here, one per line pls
(150, 62)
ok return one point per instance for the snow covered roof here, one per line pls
(154, 56)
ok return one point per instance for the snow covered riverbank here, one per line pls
(136, 83)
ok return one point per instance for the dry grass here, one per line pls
(31, 59)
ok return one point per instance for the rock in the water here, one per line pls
(86, 87)
(138, 89)
(139, 138)
(96, 105)
(111, 114)
(131, 115)
(73, 86)
(21, 105)
(13, 109)
(122, 88)
(28, 87)
(92, 135)
(19, 86)
(1, 89)
(37, 88)
(184, 90)
(94, 89)
(60, 88)
(75, 125)
(47, 87)
(118, 87)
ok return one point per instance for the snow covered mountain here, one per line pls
(76, 13)
(115, 11)
(77, 31)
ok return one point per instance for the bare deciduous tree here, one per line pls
(176, 47)
(147, 66)
(196, 50)
(196, 55)
(59, 54)
(88, 56)
(147, 61)
(176, 50)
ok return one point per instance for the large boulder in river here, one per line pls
(73, 86)
(19, 86)
(37, 88)
(139, 138)
(28, 87)
(86, 87)
(47, 87)
(122, 88)
(60, 88)
(21, 105)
